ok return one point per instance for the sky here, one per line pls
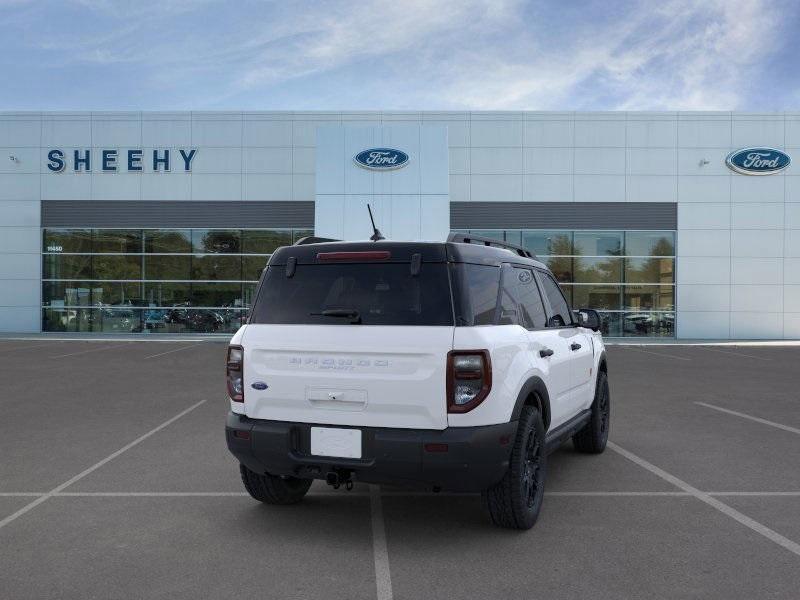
(400, 55)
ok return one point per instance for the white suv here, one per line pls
(451, 366)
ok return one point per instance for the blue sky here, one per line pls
(394, 54)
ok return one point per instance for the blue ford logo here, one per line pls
(758, 161)
(259, 385)
(381, 159)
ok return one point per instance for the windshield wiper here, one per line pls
(343, 313)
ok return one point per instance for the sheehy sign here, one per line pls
(111, 161)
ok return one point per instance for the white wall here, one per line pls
(738, 267)
(408, 203)
(20, 253)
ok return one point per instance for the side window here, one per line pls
(561, 315)
(520, 302)
(529, 299)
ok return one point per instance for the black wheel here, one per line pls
(516, 500)
(271, 489)
(593, 437)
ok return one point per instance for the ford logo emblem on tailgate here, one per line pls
(758, 161)
(381, 159)
(259, 385)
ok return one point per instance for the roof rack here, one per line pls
(468, 238)
(310, 239)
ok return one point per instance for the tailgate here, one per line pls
(372, 376)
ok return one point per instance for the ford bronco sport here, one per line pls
(451, 366)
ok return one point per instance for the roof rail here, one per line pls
(310, 239)
(468, 238)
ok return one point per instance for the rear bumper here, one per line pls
(475, 458)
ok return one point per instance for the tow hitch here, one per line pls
(339, 478)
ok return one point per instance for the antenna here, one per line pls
(377, 235)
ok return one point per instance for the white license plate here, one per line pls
(331, 441)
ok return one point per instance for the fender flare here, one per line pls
(537, 386)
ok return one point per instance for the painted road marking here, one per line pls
(742, 354)
(171, 351)
(751, 418)
(380, 552)
(657, 353)
(734, 514)
(90, 350)
(30, 506)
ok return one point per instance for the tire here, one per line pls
(271, 489)
(516, 500)
(593, 437)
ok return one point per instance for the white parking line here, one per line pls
(734, 514)
(354, 494)
(742, 354)
(171, 351)
(656, 353)
(751, 418)
(91, 350)
(380, 553)
(30, 506)
(22, 348)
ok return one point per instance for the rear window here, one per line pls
(379, 293)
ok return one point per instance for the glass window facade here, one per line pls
(153, 280)
(627, 276)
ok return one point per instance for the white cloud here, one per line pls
(472, 54)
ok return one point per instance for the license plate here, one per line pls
(331, 441)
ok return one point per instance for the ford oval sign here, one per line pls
(381, 159)
(758, 161)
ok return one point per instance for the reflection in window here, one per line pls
(597, 297)
(227, 241)
(548, 243)
(629, 277)
(265, 242)
(165, 280)
(214, 267)
(600, 243)
(598, 270)
(117, 240)
(650, 270)
(168, 241)
(650, 243)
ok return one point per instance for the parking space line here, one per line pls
(656, 353)
(734, 514)
(757, 494)
(30, 506)
(22, 348)
(194, 345)
(91, 350)
(742, 354)
(380, 552)
(751, 418)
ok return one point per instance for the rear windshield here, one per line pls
(369, 294)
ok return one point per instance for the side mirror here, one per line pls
(588, 318)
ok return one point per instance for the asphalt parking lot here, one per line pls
(115, 482)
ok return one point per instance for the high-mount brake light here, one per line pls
(469, 379)
(234, 368)
(366, 255)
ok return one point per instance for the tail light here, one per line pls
(469, 379)
(235, 373)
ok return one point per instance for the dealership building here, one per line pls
(671, 224)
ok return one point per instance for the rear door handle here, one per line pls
(545, 353)
(575, 346)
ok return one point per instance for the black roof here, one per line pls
(401, 252)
